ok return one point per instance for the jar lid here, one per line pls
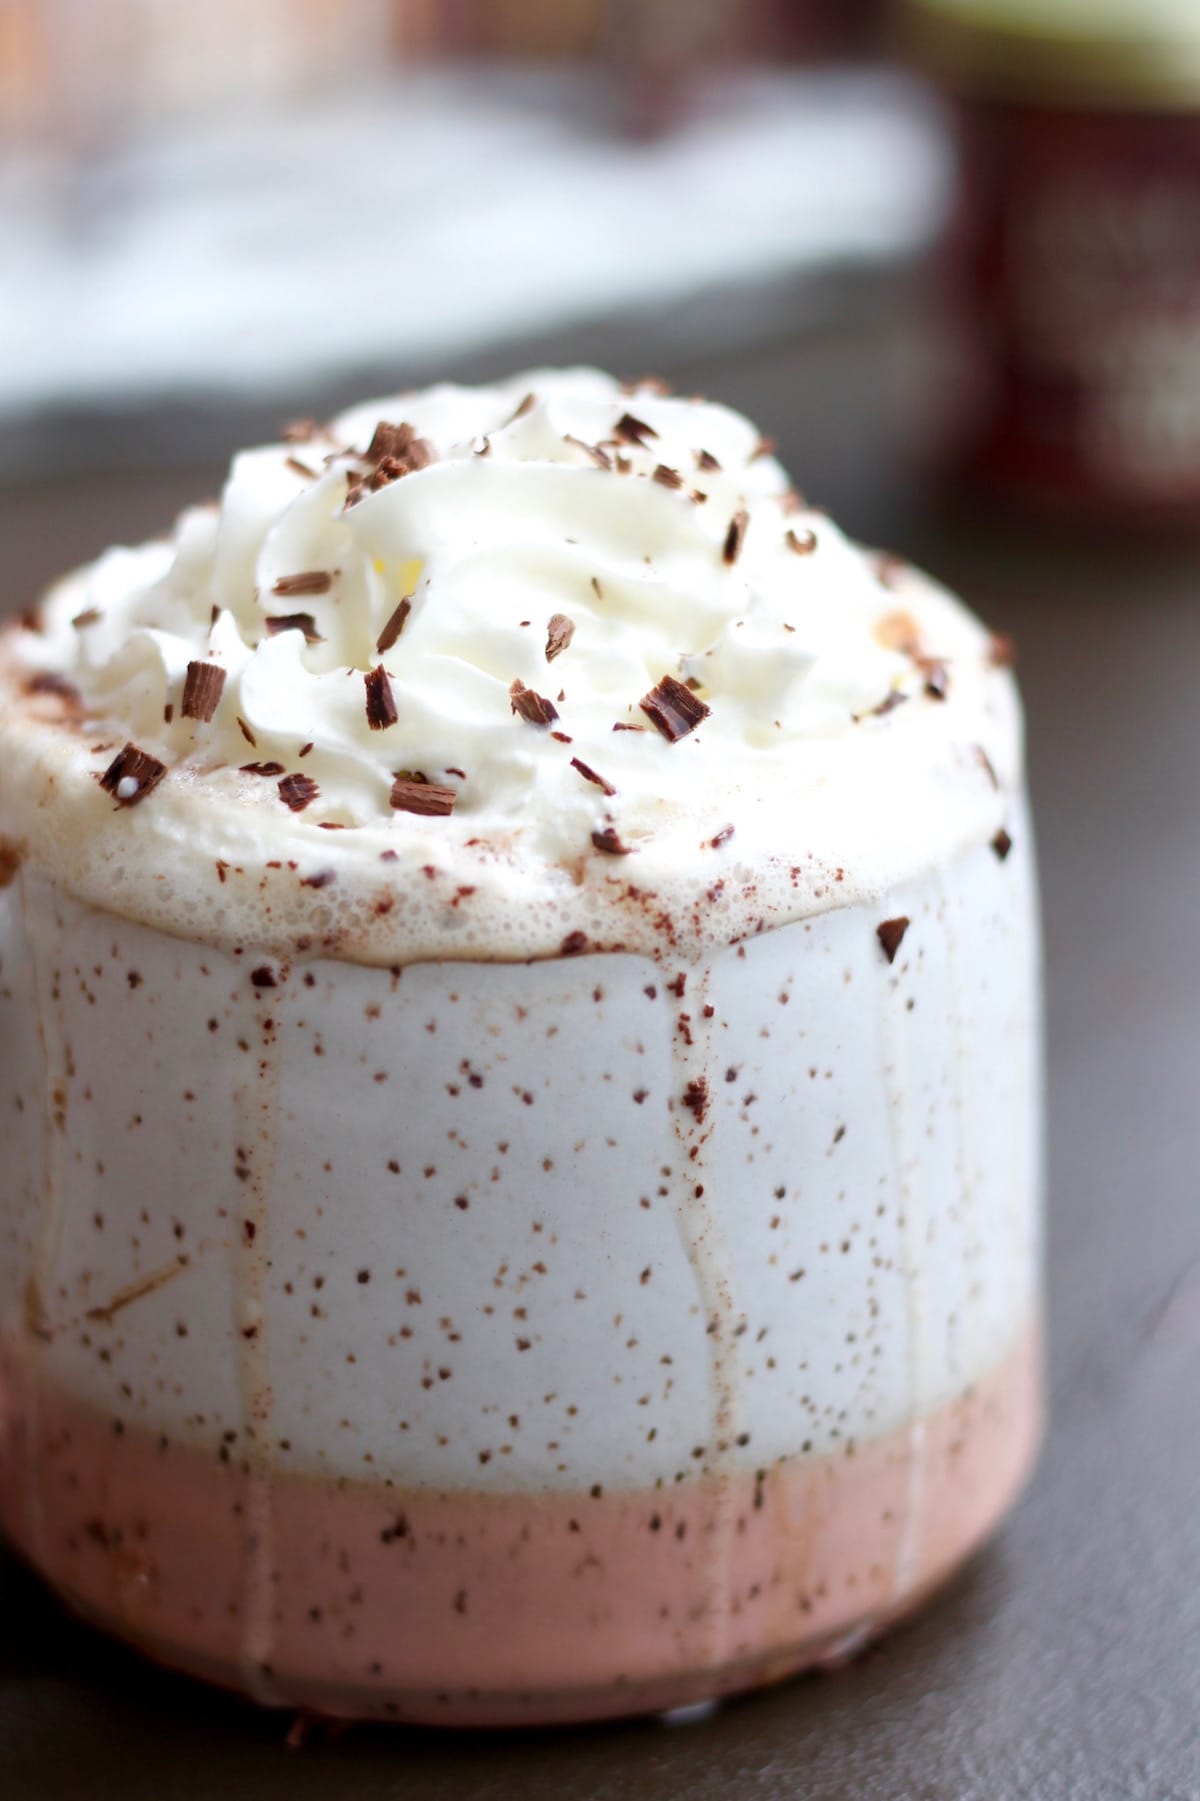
(1118, 54)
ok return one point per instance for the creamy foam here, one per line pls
(555, 532)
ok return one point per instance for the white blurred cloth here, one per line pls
(435, 217)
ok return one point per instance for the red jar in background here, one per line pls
(1073, 267)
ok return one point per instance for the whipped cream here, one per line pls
(427, 635)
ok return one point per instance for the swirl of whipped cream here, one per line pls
(474, 591)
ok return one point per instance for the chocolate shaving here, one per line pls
(634, 431)
(395, 625)
(803, 543)
(299, 468)
(988, 767)
(673, 709)
(89, 616)
(324, 878)
(381, 703)
(410, 795)
(668, 478)
(735, 537)
(131, 776)
(1002, 651)
(398, 445)
(47, 682)
(559, 633)
(722, 837)
(591, 775)
(887, 705)
(563, 737)
(308, 581)
(890, 935)
(1002, 844)
(622, 726)
(264, 976)
(298, 792)
(391, 469)
(247, 734)
(598, 455)
(293, 622)
(202, 690)
(264, 769)
(533, 707)
(573, 944)
(610, 843)
(706, 460)
(526, 406)
(937, 677)
(168, 712)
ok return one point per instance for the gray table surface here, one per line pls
(1065, 1663)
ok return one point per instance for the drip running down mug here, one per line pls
(562, 1242)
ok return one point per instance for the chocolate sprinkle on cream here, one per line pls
(895, 698)
(735, 537)
(298, 792)
(89, 616)
(131, 776)
(309, 581)
(803, 543)
(202, 690)
(398, 450)
(299, 468)
(673, 708)
(526, 406)
(668, 478)
(891, 934)
(591, 775)
(722, 837)
(394, 626)
(706, 460)
(381, 703)
(937, 677)
(247, 734)
(293, 622)
(47, 682)
(610, 843)
(1002, 844)
(634, 431)
(573, 944)
(599, 456)
(559, 633)
(264, 769)
(412, 796)
(534, 708)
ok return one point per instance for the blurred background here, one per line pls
(947, 253)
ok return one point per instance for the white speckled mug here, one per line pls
(536, 1233)
(527, 1340)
